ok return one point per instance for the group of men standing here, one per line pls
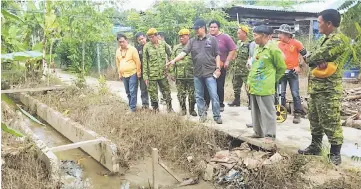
(199, 65)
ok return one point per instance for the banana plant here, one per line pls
(11, 131)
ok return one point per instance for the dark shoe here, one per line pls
(297, 118)
(221, 109)
(335, 155)
(169, 107)
(203, 119)
(155, 106)
(314, 148)
(249, 125)
(145, 107)
(236, 101)
(193, 113)
(249, 107)
(218, 120)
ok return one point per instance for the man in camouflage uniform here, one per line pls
(240, 70)
(183, 73)
(161, 37)
(326, 91)
(155, 53)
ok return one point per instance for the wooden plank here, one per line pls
(170, 172)
(76, 145)
(32, 89)
(155, 159)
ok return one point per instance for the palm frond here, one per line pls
(356, 158)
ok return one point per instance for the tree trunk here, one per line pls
(98, 58)
(83, 59)
(44, 42)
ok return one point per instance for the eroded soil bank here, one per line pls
(189, 146)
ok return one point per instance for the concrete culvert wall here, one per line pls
(105, 152)
(16, 121)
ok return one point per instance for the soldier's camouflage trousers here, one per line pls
(164, 89)
(324, 115)
(185, 87)
(237, 82)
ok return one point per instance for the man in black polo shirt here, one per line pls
(205, 55)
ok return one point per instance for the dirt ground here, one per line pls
(178, 140)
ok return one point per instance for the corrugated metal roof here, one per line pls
(313, 7)
(272, 8)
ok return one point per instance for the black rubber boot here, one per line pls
(236, 101)
(192, 112)
(314, 148)
(155, 106)
(335, 154)
(169, 107)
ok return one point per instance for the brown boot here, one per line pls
(236, 101)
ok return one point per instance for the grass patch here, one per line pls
(21, 167)
(136, 134)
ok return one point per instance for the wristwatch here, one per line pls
(218, 68)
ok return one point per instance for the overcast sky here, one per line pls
(144, 4)
(138, 4)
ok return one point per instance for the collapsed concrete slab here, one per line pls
(106, 152)
(47, 157)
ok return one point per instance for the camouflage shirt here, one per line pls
(239, 66)
(321, 53)
(183, 69)
(154, 60)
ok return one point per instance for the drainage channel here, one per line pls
(77, 163)
(79, 169)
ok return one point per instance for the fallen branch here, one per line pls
(354, 123)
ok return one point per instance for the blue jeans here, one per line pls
(292, 79)
(131, 88)
(211, 84)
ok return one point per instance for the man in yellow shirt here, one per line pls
(129, 69)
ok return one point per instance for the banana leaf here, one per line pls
(29, 115)
(10, 130)
(21, 56)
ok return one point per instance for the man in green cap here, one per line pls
(326, 90)
(183, 73)
(155, 53)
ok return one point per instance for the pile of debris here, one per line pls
(351, 108)
(228, 168)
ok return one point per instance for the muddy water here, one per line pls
(86, 170)
(91, 170)
(82, 171)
